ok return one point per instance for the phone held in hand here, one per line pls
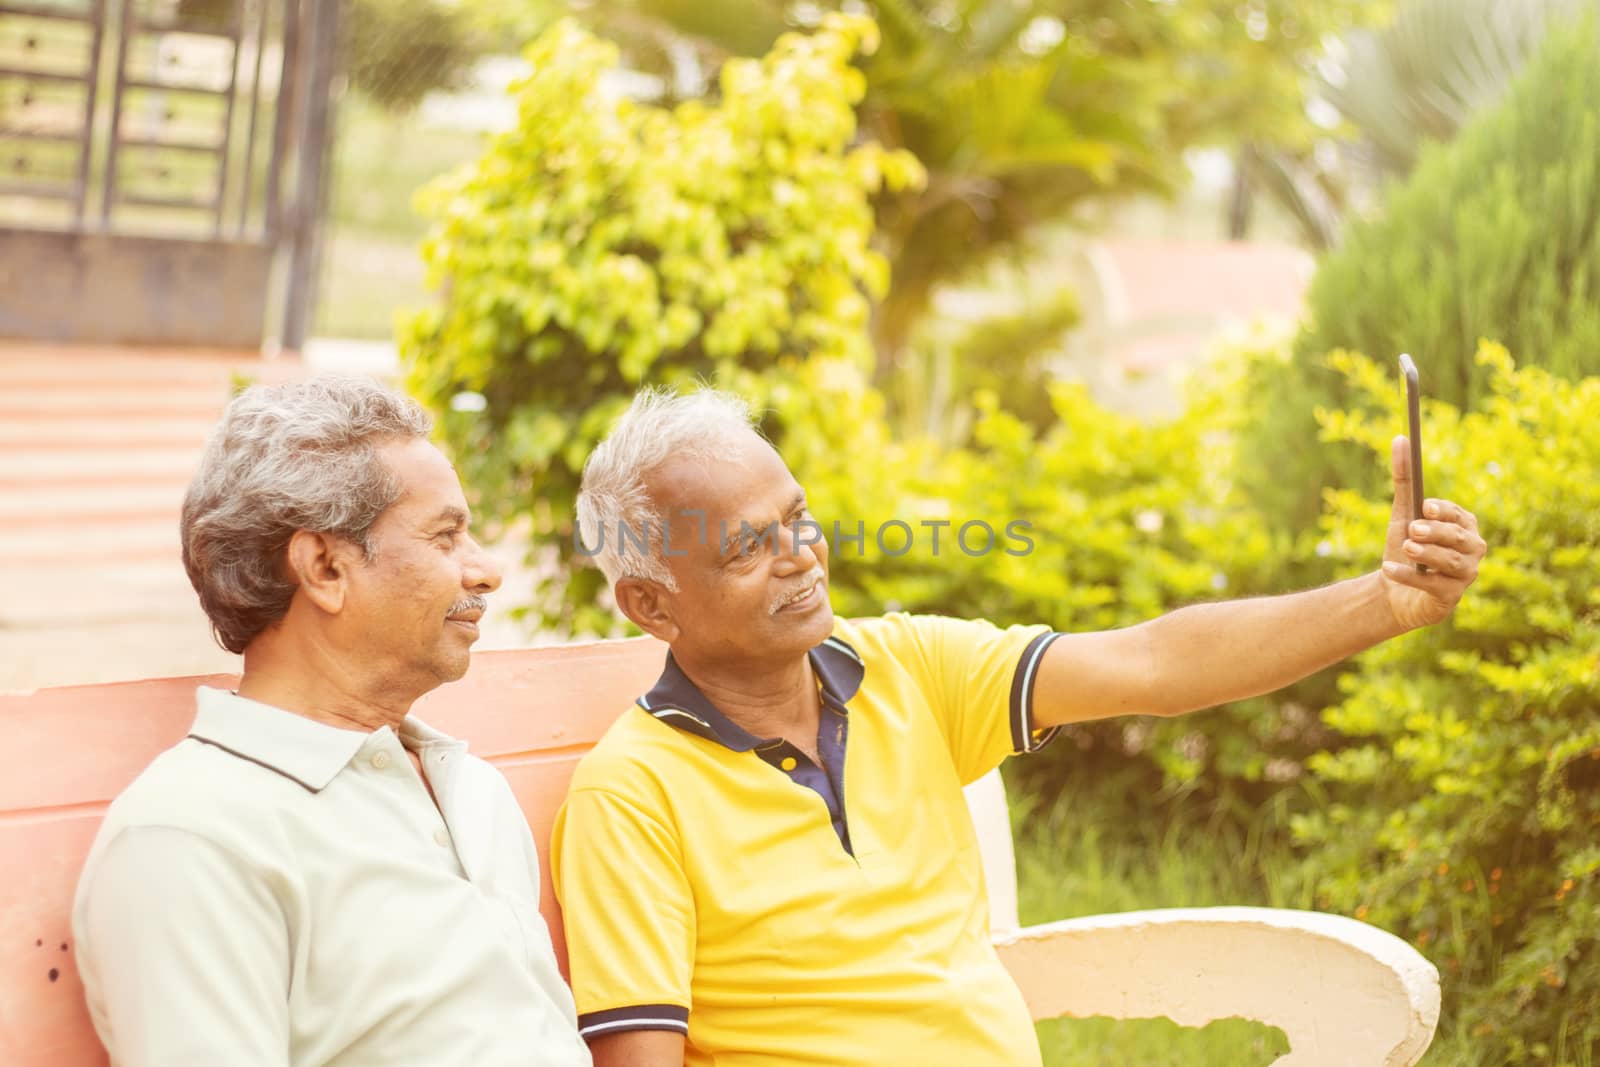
(1408, 370)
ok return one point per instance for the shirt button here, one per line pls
(788, 763)
(380, 760)
(441, 837)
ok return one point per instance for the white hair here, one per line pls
(302, 456)
(613, 498)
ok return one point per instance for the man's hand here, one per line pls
(1445, 539)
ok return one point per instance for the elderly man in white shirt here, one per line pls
(313, 877)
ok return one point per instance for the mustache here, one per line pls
(470, 602)
(806, 581)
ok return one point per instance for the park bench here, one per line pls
(1346, 994)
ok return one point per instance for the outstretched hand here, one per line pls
(1444, 538)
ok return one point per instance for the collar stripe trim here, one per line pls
(834, 642)
(662, 713)
(307, 786)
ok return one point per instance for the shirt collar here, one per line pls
(677, 701)
(301, 749)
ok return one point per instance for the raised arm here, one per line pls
(1209, 654)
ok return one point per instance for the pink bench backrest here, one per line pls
(69, 751)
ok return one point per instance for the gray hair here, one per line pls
(302, 456)
(658, 425)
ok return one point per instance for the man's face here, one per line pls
(412, 611)
(737, 597)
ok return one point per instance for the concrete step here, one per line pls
(55, 366)
(77, 431)
(159, 399)
(64, 505)
(95, 591)
(46, 546)
(98, 467)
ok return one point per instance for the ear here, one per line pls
(649, 606)
(320, 565)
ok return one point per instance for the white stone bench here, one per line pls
(1344, 993)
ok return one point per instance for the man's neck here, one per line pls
(312, 683)
(770, 700)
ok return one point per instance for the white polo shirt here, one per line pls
(272, 890)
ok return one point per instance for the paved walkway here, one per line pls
(97, 447)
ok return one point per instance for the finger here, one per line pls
(1448, 534)
(1442, 587)
(1450, 512)
(1400, 469)
(1441, 560)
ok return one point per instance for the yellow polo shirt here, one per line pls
(777, 912)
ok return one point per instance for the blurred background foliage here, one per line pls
(778, 219)
(1023, 113)
(1495, 234)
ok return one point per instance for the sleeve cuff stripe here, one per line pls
(596, 1029)
(637, 1017)
(1022, 739)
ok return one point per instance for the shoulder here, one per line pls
(880, 634)
(909, 640)
(899, 628)
(231, 802)
(635, 758)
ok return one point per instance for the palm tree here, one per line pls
(1411, 83)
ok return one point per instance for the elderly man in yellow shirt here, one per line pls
(768, 859)
(313, 877)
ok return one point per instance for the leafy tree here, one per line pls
(1026, 112)
(1496, 235)
(602, 244)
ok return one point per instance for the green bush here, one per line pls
(1465, 810)
(1127, 520)
(603, 244)
(1496, 235)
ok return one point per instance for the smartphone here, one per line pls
(1408, 370)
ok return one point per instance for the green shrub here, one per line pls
(1496, 235)
(1464, 810)
(1127, 520)
(603, 244)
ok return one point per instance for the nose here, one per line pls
(796, 551)
(482, 571)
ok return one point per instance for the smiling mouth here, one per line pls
(801, 597)
(468, 619)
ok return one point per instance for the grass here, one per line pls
(372, 267)
(1083, 855)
